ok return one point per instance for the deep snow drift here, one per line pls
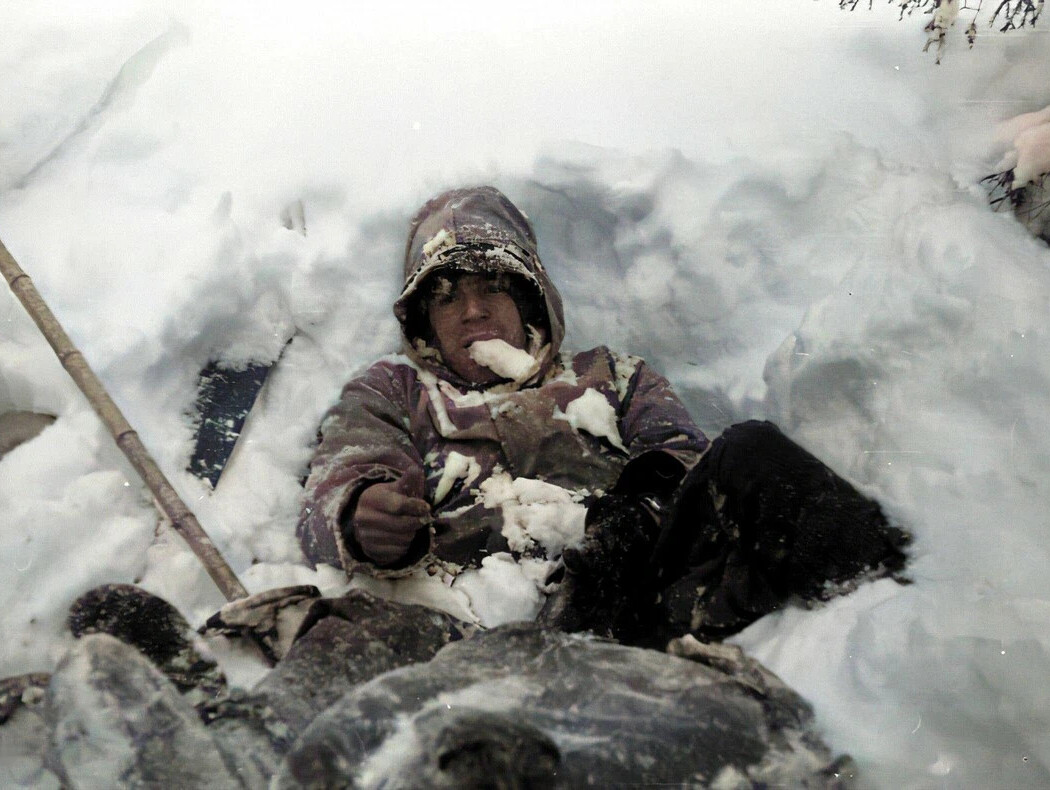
(779, 210)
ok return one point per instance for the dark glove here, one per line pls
(622, 527)
(601, 585)
(620, 530)
(653, 474)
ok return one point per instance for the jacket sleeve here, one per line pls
(364, 439)
(661, 438)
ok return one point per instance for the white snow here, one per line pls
(457, 467)
(536, 514)
(503, 359)
(539, 521)
(592, 413)
(435, 591)
(777, 208)
(503, 590)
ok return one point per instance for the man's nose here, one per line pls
(474, 307)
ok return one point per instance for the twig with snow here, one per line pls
(1014, 14)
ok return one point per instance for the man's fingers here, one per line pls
(387, 538)
(403, 527)
(386, 500)
(384, 552)
(400, 505)
(386, 521)
(419, 508)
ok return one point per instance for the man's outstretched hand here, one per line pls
(386, 520)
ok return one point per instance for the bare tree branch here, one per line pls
(1012, 14)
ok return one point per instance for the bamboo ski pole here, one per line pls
(182, 519)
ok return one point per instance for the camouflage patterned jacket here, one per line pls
(575, 423)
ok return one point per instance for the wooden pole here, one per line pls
(170, 503)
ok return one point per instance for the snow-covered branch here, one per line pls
(1010, 14)
(945, 12)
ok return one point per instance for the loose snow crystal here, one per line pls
(438, 241)
(503, 359)
(535, 513)
(592, 413)
(457, 467)
(504, 590)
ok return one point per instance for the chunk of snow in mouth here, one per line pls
(535, 513)
(592, 413)
(503, 359)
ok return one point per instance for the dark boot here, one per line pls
(604, 578)
(153, 627)
(758, 521)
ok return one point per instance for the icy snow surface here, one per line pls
(775, 205)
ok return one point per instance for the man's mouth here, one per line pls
(488, 334)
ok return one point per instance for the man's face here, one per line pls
(468, 308)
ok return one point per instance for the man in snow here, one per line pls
(681, 536)
(483, 388)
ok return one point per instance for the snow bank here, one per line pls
(805, 241)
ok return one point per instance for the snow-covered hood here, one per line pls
(475, 229)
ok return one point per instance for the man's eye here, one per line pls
(443, 292)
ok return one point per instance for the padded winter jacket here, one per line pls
(575, 422)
